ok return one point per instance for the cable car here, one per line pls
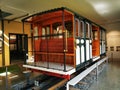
(62, 42)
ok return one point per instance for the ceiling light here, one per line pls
(101, 8)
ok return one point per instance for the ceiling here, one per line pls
(103, 12)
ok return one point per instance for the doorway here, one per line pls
(17, 45)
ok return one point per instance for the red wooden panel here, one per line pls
(53, 50)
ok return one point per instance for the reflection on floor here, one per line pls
(14, 77)
(109, 79)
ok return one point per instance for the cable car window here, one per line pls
(36, 32)
(81, 29)
(69, 28)
(87, 30)
(100, 34)
(77, 27)
(90, 31)
(103, 35)
(48, 31)
(45, 31)
(94, 34)
(59, 31)
(57, 28)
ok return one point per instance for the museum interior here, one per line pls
(59, 44)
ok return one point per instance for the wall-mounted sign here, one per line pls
(117, 48)
(106, 48)
(112, 48)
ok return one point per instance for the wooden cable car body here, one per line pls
(63, 42)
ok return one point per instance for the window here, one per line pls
(55, 27)
(69, 28)
(45, 31)
(36, 32)
(103, 35)
(77, 27)
(88, 31)
(95, 35)
(81, 29)
(58, 28)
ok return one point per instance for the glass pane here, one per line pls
(48, 30)
(36, 32)
(103, 35)
(69, 28)
(87, 30)
(57, 28)
(76, 24)
(81, 29)
(43, 33)
(94, 35)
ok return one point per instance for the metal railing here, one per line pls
(52, 49)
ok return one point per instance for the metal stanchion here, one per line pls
(6, 78)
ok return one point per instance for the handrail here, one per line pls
(68, 54)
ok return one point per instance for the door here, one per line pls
(18, 46)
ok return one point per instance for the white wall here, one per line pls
(113, 40)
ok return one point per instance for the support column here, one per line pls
(2, 27)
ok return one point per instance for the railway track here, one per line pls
(45, 82)
(42, 82)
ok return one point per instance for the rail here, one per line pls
(79, 77)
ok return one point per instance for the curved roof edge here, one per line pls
(43, 12)
(62, 8)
